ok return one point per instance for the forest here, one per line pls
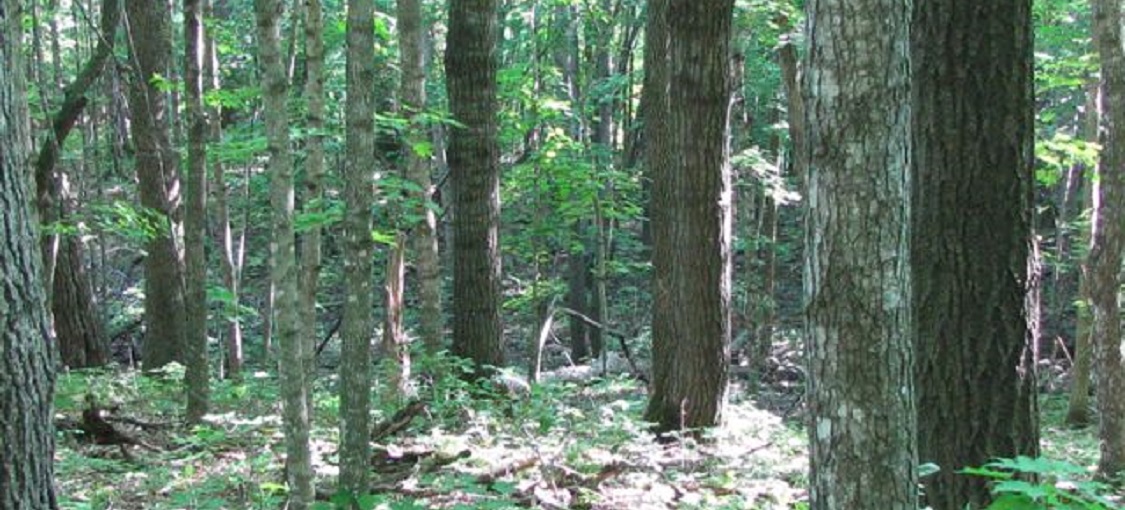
(600, 254)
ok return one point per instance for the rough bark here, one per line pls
(423, 238)
(474, 164)
(197, 375)
(1078, 405)
(359, 318)
(157, 165)
(975, 394)
(314, 177)
(283, 267)
(27, 365)
(1104, 262)
(857, 272)
(692, 233)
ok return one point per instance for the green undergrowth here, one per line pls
(564, 445)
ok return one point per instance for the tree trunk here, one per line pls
(149, 29)
(857, 272)
(359, 318)
(77, 323)
(1078, 406)
(474, 163)
(197, 376)
(231, 260)
(692, 232)
(975, 393)
(283, 267)
(395, 342)
(314, 176)
(1104, 262)
(27, 365)
(423, 238)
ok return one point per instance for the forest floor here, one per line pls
(565, 445)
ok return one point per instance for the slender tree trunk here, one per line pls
(976, 392)
(197, 376)
(857, 272)
(283, 267)
(27, 364)
(1104, 262)
(150, 38)
(395, 343)
(692, 232)
(1078, 408)
(314, 175)
(228, 254)
(359, 317)
(423, 238)
(474, 161)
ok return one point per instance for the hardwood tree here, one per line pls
(857, 271)
(149, 31)
(74, 313)
(283, 267)
(691, 189)
(1078, 405)
(359, 320)
(474, 165)
(423, 239)
(27, 436)
(314, 176)
(1103, 264)
(197, 375)
(970, 240)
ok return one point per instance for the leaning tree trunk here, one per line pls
(27, 438)
(857, 272)
(692, 233)
(149, 29)
(474, 164)
(972, 67)
(1104, 263)
(283, 267)
(77, 323)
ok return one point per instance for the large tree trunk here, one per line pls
(857, 272)
(423, 238)
(27, 365)
(150, 37)
(971, 236)
(474, 164)
(197, 376)
(359, 317)
(283, 267)
(1104, 263)
(692, 232)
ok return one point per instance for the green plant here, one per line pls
(1060, 485)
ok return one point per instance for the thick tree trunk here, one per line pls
(27, 438)
(857, 272)
(423, 238)
(975, 391)
(692, 231)
(474, 163)
(283, 267)
(1104, 263)
(197, 376)
(359, 317)
(150, 38)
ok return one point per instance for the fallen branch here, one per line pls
(491, 477)
(398, 422)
